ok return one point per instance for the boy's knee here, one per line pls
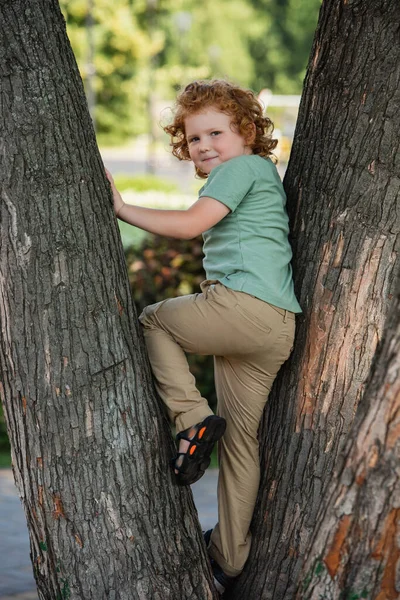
(147, 316)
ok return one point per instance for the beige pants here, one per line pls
(250, 340)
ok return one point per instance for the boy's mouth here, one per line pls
(209, 158)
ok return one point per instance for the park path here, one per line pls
(16, 579)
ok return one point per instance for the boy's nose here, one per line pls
(204, 146)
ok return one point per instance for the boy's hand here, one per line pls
(118, 202)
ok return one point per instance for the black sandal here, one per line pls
(192, 464)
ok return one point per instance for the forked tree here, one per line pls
(90, 444)
(343, 195)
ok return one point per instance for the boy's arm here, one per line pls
(181, 224)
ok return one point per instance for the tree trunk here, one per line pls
(342, 185)
(356, 550)
(90, 444)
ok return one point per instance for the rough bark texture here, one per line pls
(356, 550)
(343, 188)
(90, 445)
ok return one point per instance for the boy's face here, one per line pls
(212, 139)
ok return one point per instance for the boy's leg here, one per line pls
(169, 332)
(243, 385)
(202, 323)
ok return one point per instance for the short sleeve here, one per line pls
(230, 182)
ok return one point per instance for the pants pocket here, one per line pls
(254, 321)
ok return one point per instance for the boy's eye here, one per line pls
(193, 139)
(215, 133)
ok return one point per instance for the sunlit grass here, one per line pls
(145, 183)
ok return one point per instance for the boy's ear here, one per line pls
(251, 133)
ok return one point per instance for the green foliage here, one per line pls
(281, 52)
(165, 268)
(4, 443)
(144, 183)
(147, 49)
(212, 36)
(122, 48)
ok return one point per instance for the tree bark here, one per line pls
(355, 552)
(342, 185)
(90, 444)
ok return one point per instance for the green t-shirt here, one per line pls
(249, 250)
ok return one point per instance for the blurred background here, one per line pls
(134, 56)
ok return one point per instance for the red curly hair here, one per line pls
(242, 105)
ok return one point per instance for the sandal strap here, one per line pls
(175, 460)
(184, 435)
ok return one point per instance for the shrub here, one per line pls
(4, 444)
